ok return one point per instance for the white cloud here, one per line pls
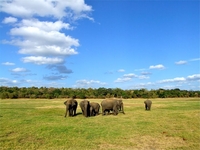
(39, 60)
(121, 70)
(19, 70)
(177, 82)
(12, 83)
(178, 79)
(193, 77)
(44, 8)
(143, 77)
(43, 39)
(8, 82)
(160, 66)
(9, 20)
(128, 77)
(8, 64)
(124, 79)
(195, 59)
(89, 83)
(45, 25)
(142, 85)
(181, 62)
(43, 43)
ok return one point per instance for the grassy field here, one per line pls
(40, 124)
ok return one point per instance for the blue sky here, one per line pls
(97, 43)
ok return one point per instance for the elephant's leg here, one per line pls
(83, 112)
(107, 112)
(96, 112)
(75, 112)
(115, 110)
(122, 109)
(91, 111)
(70, 112)
(66, 113)
(103, 111)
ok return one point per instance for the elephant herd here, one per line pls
(92, 108)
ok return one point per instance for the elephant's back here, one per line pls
(104, 102)
(94, 104)
(148, 101)
(107, 102)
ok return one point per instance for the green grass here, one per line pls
(40, 124)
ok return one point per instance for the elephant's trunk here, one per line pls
(86, 110)
(70, 111)
(67, 108)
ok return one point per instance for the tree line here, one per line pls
(82, 93)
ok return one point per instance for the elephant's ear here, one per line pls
(65, 102)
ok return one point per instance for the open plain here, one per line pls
(172, 123)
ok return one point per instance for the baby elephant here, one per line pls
(148, 104)
(94, 109)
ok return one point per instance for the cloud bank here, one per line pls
(42, 39)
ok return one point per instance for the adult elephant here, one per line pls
(85, 107)
(121, 106)
(71, 106)
(147, 104)
(110, 105)
(94, 108)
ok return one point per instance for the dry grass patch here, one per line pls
(163, 142)
(158, 143)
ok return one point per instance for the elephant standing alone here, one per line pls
(85, 107)
(71, 106)
(148, 104)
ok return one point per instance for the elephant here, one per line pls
(121, 107)
(94, 108)
(111, 105)
(148, 104)
(85, 107)
(71, 106)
